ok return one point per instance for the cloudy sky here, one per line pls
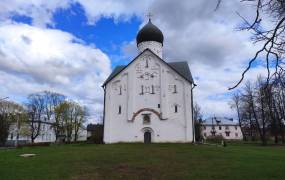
(71, 46)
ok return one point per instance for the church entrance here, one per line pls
(147, 137)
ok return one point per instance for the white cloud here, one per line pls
(193, 31)
(34, 59)
(40, 11)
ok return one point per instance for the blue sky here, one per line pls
(71, 46)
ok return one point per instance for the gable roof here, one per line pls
(180, 68)
(219, 121)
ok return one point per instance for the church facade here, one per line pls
(149, 100)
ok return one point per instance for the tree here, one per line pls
(271, 38)
(70, 117)
(197, 115)
(51, 101)
(10, 113)
(35, 105)
(236, 104)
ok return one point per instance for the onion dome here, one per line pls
(150, 33)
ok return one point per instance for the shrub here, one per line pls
(215, 139)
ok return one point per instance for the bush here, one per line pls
(36, 144)
(215, 139)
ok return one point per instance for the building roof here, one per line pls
(150, 33)
(219, 121)
(93, 127)
(181, 68)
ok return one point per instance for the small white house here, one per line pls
(46, 134)
(149, 100)
(226, 127)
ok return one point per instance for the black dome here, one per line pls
(150, 33)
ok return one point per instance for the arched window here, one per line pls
(120, 109)
(120, 90)
(152, 89)
(141, 90)
(174, 88)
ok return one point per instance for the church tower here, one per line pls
(150, 37)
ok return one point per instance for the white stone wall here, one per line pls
(125, 90)
(154, 46)
(235, 131)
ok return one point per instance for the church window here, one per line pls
(146, 118)
(158, 105)
(120, 90)
(236, 127)
(236, 134)
(204, 127)
(11, 137)
(120, 109)
(175, 108)
(141, 90)
(220, 127)
(174, 89)
(152, 89)
(227, 133)
(146, 63)
(227, 127)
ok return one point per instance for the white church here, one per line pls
(149, 100)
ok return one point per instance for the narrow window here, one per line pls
(227, 127)
(152, 89)
(204, 127)
(175, 90)
(175, 109)
(158, 105)
(146, 63)
(236, 134)
(236, 127)
(220, 128)
(120, 90)
(120, 109)
(141, 90)
(227, 133)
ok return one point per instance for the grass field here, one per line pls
(140, 161)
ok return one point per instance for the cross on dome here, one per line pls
(149, 15)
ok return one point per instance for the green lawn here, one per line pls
(140, 161)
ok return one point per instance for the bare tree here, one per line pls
(35, 105)
(272, 38)
(236, 104)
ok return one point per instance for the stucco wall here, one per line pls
(235, 131)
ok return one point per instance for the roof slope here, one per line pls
(181, 68)
(219, 121)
